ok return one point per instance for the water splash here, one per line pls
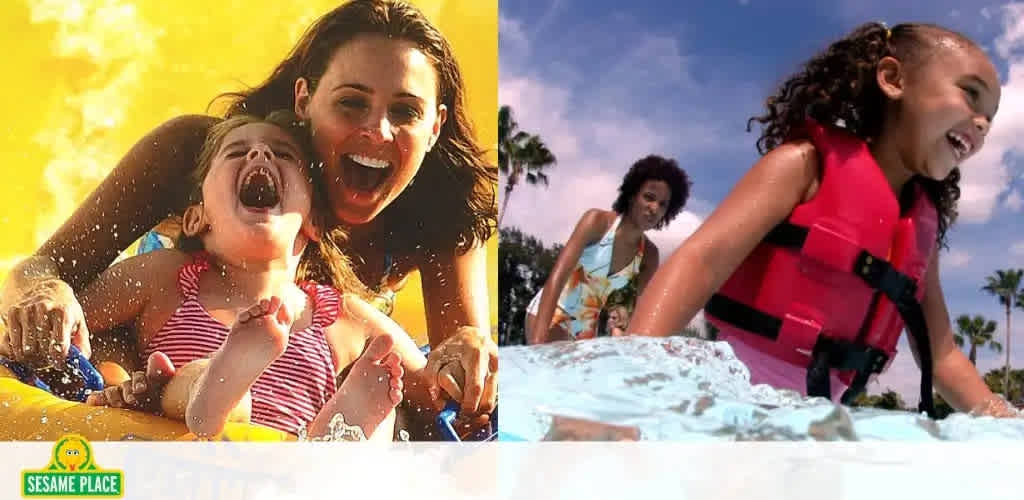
(120, 46)
(337, 430)
(687, 389)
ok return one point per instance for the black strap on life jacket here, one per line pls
(843, 355)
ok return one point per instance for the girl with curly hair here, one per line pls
(826, 249)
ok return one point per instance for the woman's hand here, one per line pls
(465, 365)
(43, 323)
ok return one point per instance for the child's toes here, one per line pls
(273, 304)
(126, 392)
(113, 396)
(283, 316)
(392, 362)
(395, 395)
(96, 399)
(139, 382)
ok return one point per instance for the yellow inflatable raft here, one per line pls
(29, 414)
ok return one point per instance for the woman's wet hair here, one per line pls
(839, 87)
(452, 199)
(323, 262)
(655, 168)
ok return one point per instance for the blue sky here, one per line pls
(605, 83)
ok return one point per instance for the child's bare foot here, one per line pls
(258, 337)
(369, 393)
(142, 390)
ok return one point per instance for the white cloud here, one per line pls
(956, 259)
(1017, 248)
(671, 237)
(594, 144)
(1012, 37)
(511, 31)
(1013, 201)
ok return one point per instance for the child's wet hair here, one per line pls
(655, 168)
(839, 86)
(323, 262)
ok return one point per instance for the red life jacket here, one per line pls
(818, 292)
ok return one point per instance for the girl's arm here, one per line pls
(128, 292)
(762, 199)
(956, 379)
(589, 229)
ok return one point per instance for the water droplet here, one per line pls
(44, 419)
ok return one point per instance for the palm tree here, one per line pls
(977, 332)
(520, 154)
(1005, 285)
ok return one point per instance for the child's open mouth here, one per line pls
(259, 189)
(364, 173)
(961, 145)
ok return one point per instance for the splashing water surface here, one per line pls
(681, 388)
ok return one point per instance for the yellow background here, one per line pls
(85, 79)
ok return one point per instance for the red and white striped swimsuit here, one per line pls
(289, 394)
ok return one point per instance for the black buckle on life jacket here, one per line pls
(846, 356)
(880, 275)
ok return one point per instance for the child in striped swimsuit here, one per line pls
(230, 329)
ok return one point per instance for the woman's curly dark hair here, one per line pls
(839, 86)
(658, 169)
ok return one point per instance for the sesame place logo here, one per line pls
(72, 472)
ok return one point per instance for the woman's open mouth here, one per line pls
(364, 173)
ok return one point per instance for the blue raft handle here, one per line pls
(82, 367)
(76, 362)
(451, 411)
(447, 430)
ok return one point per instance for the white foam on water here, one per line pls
(681, 388)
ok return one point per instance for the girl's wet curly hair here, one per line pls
(839, 86)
